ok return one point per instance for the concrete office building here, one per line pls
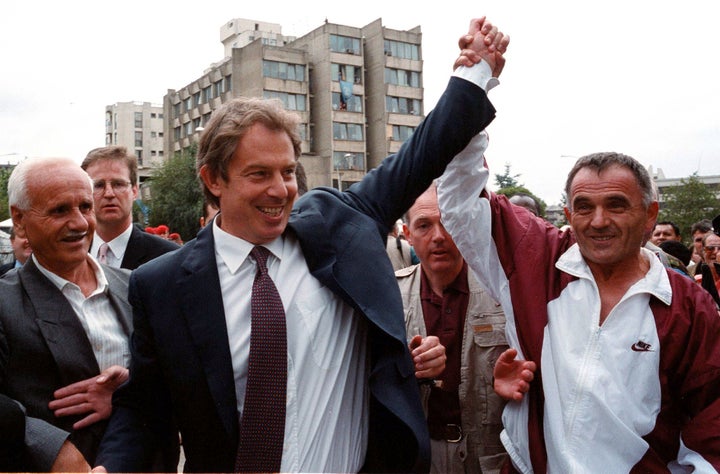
(138, 126)
(358, 92)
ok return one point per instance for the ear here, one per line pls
(18, 223)
(212, 182)
(567, 214)
(406, 233)
(652, 215)
(135, 191)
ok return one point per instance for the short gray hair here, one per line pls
(18, 195)
(601, 161)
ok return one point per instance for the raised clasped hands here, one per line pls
(483, 41)
(91, 397)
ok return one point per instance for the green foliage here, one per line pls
(507, 180)
(4, 176)
(176, 195)
(688, 203)
(513, 190)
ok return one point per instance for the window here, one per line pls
(196, 99)
(218, 88)
(206, 118)
(176, 110)
(302, 131)
(153, 153)
(402, 105)
(139, 155)
(228, 83)
(160, 134)
(343, 160)
(153, 115)
(347, 131)
(138, 119)
(401, 77)
(290, 101)
(353, 104)
(346, 72)
(161, 116)
(187, 104)
(196, 124)
(138, 139)
(177, 133)
(278, 70)
(207, 94)
(402, 50)
(160, 153)
(188, 129)
(344, 44)
(402, 132)
(153, 134)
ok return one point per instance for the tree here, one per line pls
(688, 203)
(4, 176)
(506, 180)
(176, 195)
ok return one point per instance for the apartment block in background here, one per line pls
(358, 92)
(139, 126)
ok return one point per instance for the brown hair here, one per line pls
(229, 124)
(117, 153)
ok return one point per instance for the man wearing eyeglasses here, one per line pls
(117, 242)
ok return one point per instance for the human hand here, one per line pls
(513, 376)
(483, 41)
(92, 396)
(428, 355)
(69, 459)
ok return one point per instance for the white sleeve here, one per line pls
(466, 215)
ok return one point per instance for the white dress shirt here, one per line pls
(116, 247)
(327, 411)
(97, 316)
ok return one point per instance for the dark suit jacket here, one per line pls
(181, 367)
(6, 267)
(43, 347)
(143, 247)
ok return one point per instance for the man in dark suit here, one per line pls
(64, 320)
(21, 251)
(114, 175)
(352, 399)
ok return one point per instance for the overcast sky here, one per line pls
(637, 77)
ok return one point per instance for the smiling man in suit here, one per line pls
(64, 319)
(347, 397)
(114, 175)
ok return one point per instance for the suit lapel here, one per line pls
(134, 250)
(201, 296)
(59, 325)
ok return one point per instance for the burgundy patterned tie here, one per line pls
(262, 424)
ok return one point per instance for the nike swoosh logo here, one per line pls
(641, 346)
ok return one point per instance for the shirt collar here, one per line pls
(234, 251)
(117, 245)
(61, 282)
(656, 281)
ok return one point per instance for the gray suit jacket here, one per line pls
(43, 347)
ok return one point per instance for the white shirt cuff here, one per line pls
(480, 74)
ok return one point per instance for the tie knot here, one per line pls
(260, 254)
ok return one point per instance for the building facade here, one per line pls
(358, 92)
(138, 126)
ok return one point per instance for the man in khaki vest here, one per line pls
(442, 298)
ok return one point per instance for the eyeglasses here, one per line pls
(117, 185)
(712, 247)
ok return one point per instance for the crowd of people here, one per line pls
(304, 332)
